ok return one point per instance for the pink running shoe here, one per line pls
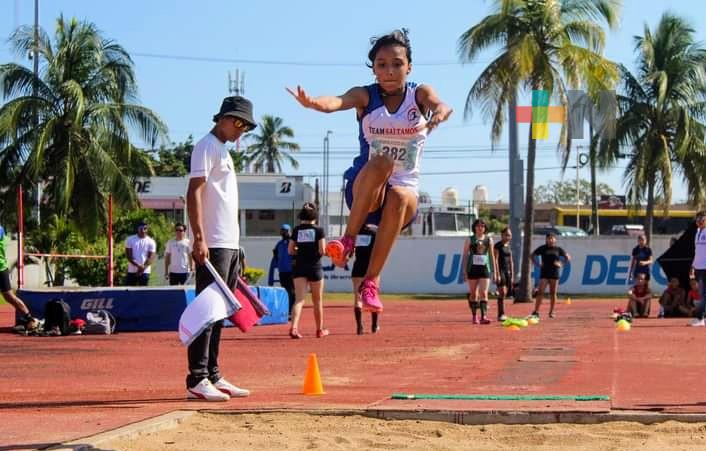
(369, 295)
(340, 250)
(475, 320)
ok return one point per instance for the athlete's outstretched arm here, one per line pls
(353, 98)
(427, 97)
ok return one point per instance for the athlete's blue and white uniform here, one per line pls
(400, 135)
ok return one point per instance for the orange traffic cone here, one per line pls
(312, 379)
(568, 301)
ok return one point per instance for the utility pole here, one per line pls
(325, 189)
(516, 194)
(35, 58)
(578, 188)
(236, 87)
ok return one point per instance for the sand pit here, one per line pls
(298, 431)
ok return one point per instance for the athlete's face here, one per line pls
(232, 127)
(506, 237)
(479, 229)
(551, 241)
(391, 68)
(701, 221)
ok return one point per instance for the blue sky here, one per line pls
(329, 42)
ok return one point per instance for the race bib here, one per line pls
(363, 240)
(306, 236)
(480, 260)
(403, 153)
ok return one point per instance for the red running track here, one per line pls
(63, 388)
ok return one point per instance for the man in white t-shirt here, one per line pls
(141, 251)
(212, 203)
(698, 267)
(177, 257)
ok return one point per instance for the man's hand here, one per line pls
(200, 252)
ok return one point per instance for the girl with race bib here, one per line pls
(552, 259)
(506, 270)
(479, 262)
(394, 118)
(363, 246)
(307, 246)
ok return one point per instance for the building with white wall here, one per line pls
(266, 201)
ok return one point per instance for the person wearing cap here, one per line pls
(212, 203)
(141, 251)
(283, 262)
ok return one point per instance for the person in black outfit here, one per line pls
(506, 269)
(307, 246)
(283, 262)
(363, 246)
(479, 264)
(641, 260)
(551, 256)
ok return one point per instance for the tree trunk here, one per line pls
(594, 184)
(525, 288)
(650, 213)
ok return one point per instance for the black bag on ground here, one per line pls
(57, 314)
(99, 322)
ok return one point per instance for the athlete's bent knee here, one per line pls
(381, 164)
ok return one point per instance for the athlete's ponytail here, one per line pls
(309, 212)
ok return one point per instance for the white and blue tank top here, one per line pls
(400, 135)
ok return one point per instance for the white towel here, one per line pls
(214, 303)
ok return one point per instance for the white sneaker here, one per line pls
(207, 391)
(230, 389)
(697, 323)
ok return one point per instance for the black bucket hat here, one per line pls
(239, 107)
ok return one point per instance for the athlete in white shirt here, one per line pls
(141, 250)
(698, 267)
(394, 118)
(177, 257)
(212, 202)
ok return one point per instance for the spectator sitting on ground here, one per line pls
(673, 302)
(639, 298)
(693, 297)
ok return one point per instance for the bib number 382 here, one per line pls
(403, 154)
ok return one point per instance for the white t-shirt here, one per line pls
(180, 255)
(141, 247)
(219, 202)
(699, 249)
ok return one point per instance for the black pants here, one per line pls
(137, 280)
(203, 351)
(285, 279)
(178, 278)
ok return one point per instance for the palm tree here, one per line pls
(662, 109)
(70, 127)
(269, 149)
(544, 45)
